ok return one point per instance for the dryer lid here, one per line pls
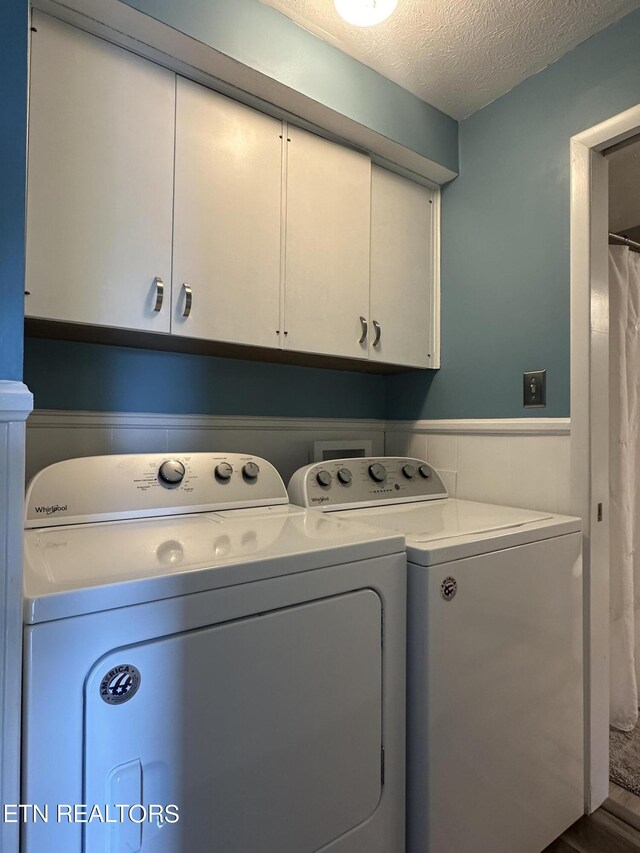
(86, 568)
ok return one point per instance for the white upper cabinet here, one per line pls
(227, 225)
(158, 205)
(402, 272)
(100, 189)
(327, 246)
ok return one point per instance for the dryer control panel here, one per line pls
(372, 481)
(142, 485)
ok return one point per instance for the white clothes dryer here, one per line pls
(193, 641)
(494, 655)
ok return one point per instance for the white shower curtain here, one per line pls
(624, 454)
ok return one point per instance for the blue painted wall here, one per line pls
(505, 241)
(13, 129)
(92, 377)
(263, 39)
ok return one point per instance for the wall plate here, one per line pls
(534, 389)
(345, 449)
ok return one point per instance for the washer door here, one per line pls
(265, 732)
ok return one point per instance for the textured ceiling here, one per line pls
(459, 55)
(624, 189)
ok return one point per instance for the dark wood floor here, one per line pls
(600, 832)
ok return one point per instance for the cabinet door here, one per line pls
(100, 193)
(401, 271)
(227, 225)
(327, 246)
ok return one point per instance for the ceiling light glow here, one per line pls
(365, 13)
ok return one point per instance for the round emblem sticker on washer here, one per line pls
(120, 684)
(448, 588)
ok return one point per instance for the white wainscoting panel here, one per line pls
(15, 404)
(286, 442)
(520, 463)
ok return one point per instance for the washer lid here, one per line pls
(451, 529)
(85, 568)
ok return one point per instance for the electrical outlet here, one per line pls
(534, 389)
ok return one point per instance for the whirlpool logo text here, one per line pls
(50, 510)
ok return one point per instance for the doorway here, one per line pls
(624, 470)
(591, 155)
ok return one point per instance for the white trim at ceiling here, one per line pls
(121, 24)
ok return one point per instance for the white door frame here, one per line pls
(590, 421)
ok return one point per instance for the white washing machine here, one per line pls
(494, 655)
(193, 642)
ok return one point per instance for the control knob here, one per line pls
(171, 472)
(409, 471)
(425, 471)
(377, 472)
(324, 478)
(251, 470)
(224, 471)
(344, 475)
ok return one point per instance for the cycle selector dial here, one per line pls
(344, 475)
(251, 471)
(224, 471)
(377, 472)
(425, 471)
(409, 471)
(171, 472)
(324, 478)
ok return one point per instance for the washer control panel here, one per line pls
(110, 488)
(351, 483)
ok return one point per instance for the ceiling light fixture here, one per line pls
(365, 13)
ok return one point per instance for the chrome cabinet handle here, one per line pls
(188, 302)
(378, 329)
(363, 336)
(159, 293)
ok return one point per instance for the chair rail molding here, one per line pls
(486, 426)
(501, 426)
(62, 418)
(16, 402)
